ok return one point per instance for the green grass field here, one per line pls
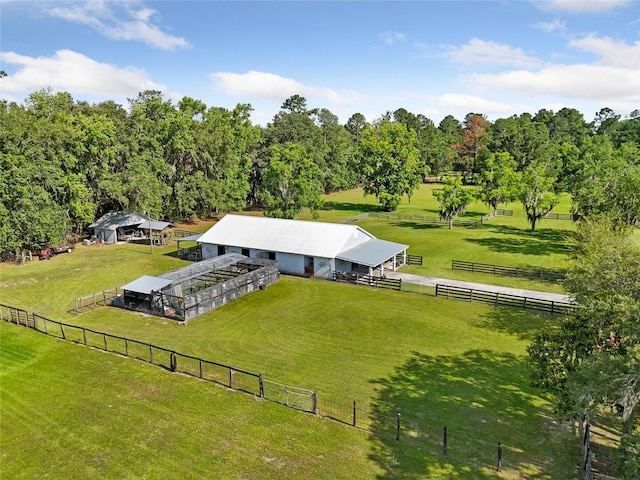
(501, 241)
(87, 414)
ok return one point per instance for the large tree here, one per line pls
(389, 163)
(537, 189)
(498, 179)
(453, 198)
(291, 182)
(592, 359)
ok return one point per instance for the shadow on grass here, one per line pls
(544, 241)
(523, 324)
(351, 207)
(482, 398)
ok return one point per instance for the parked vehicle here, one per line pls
(48, 252)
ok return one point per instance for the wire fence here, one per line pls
(407, 428)
(221, 374)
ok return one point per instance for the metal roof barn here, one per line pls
(303, 247)
(300, 237)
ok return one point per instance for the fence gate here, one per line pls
(294, 397)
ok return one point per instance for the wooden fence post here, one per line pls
(353, 423)
(126, 347)
(444, 442)
(231, 378)
(200, 368)
(499, 456)
(173, 361)
(260, 384)
(64, 336)
(106, 348)
(150, 354)
(84, 335)
(398, 428)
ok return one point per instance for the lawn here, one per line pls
(436, 362)
(72, 412)
(501, 241)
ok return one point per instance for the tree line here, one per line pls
(64, 163)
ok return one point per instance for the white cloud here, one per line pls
(453, 102)
(491, 53)
(553, 26)
(392, 37)
(572, 81)
(580, 6)
(612, 53)
(75, 73)
(615, 76)
(274, 87)
(258, 84)
(137, 24)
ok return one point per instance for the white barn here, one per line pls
(302, 247)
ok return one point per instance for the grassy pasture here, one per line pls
(72, 412)
(437, 362)
(501, 241)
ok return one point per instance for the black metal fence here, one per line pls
(504, 300)
(367, 280)
(530, 273)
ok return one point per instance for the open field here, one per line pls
(72, 412)
(502, 240)
(437, 362)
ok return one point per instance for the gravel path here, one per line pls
(432, 281)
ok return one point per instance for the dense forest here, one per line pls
(63, 163)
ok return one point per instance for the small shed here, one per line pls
(158, 230)
(113, 225)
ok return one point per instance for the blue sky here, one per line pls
(498, 58)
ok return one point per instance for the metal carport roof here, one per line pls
(189, 238)
(147, 284)
(155, 225)
(372, 253)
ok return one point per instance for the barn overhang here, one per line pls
(374, 253)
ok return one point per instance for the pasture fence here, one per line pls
(410, 259)
(424, 219)
(100, 299)
(495, 213)
(171, 360)
(559, 216)
(530, 273)
(588, 470)
(460, 443)
(402, 217)
(504, 300)
(367, 280)
(463, 443)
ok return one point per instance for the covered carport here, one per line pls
(374, 255)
